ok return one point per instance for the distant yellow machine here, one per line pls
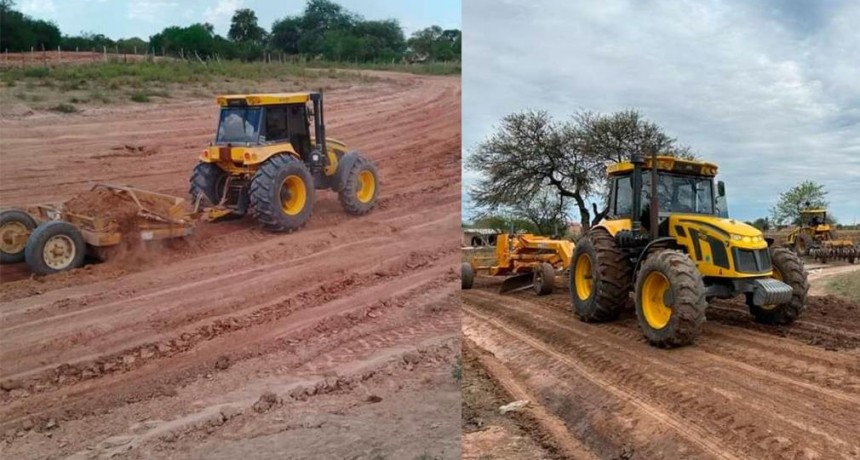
(525, 259)
(815, 237)
(270, 154)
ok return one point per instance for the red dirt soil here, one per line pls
(743, 390)
(155, 354)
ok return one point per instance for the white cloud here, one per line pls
(151, 10)
(39, 7)
(766, 89)
(222, 12)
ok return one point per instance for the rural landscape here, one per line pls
(235, 341)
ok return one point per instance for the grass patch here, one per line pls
(64, 108)
(845, 285)
(140, 96)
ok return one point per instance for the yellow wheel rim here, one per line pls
(654, 308)
(583, 277)
(366, 186)
(294, 195)
(11, 237)
(59, 251)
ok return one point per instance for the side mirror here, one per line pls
(721, 188)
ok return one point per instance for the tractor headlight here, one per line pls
(747, 239)
(736, 237)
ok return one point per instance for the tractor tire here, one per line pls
(467, 275)
(282, 194)
(55, 246)
(787, 268)
(670, 299)
(600, 278)
(207, 182)
(13, 225)
(359, 193)
(544, 279)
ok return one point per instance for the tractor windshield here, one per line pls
(675, 194)
(239, 125)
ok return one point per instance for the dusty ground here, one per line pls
(742, 391)
(339, 339)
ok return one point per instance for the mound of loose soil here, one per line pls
(116, 206)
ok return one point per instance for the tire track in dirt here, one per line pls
(702, 388)
(80, 345)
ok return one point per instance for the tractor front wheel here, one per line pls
(670, 299)
(600, 278)
(544, 279)
(282, 193)
(359, 192)
(467, 275)
(787, 268)
(207, 184)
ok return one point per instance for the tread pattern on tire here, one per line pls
(40, 236)
(347, 196)
(612, 278)
(204, 181)
(264, 185)
(795, 276)
(688, 294)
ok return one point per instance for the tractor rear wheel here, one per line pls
(55, 246)
(358, 195)
(207, 182)
(802, 244)
(15, 226)
(670, 299)
(282, 193)
(787, 268)
(600, 278)
(467, 275)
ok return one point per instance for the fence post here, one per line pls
(104, 52)
(59, 55)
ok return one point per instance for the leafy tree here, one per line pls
(436, 44)
(286, 34)
(244, 28)
(19, 32)
(504, 223)
(530, 151)
(761, 223)
(547, 213)
(807, 194)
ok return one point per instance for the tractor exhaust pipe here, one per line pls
(652, 225)
(638, 160)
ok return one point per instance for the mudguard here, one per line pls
(343, 167)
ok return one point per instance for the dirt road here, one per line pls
(351, 324)
(742, 391)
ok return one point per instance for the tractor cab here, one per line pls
(815, 218)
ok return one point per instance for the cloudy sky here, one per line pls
(769, 90)
(142, 18)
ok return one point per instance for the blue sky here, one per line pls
(769, 89)
(142, 18)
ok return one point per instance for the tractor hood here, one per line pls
(734, 231)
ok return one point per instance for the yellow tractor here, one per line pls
(270, 154)
(525, 259)
(663, 240)
(815, 237)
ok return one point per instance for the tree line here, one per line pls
(324, 30)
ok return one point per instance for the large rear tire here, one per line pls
(600, 278)
(207, 182)
(787, 268)
(544, 279)
(359, 193)
(15, 227)
(55, 246)
(282, 194)
(670, 299)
